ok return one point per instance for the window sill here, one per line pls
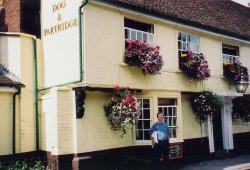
(174, 140)
(123, 64)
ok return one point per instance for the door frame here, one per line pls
(226, 118)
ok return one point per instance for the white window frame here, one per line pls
(166, 117)
(229, 58)
(188, 43)
(153, 97)
(150, 36)
(146, 141)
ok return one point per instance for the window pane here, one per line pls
(146, 135)
(183, 37)
(143, 125)
(173, 133)
(188, 46)
(133, 35)
(139, 36)
(179, 35)
(174, 111)
(174, 122)
(127, 36)
(146, 103)
(170, 111)
(179, 45)
(184, 46)
(146, 124)
(146, 114)
(150, 39)
(139, 135)
(144, 36)
(139, 124)
(170, 121)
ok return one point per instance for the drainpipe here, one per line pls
(36, 93)
(37, 90)
(14, 120)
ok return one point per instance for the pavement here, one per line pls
(240, 162)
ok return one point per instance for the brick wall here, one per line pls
(20, 16)
(10, 16)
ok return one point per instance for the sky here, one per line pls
(244, 2)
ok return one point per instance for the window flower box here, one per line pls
(142, 55)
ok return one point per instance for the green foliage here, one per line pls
(23, 165)
(122, 109)
(205, 105)
(241, 108)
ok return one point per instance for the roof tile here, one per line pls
(223, 16)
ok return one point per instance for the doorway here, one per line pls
(217, 132)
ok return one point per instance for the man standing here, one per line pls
(160, 131)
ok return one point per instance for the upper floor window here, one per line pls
(230, 53)
(169, 109)
(143, 123)
(136, 30)
(188, 42)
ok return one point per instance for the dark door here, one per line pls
(217, 130)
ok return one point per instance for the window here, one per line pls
(135, 30)
(188, 42)
(169, 109)
(143, 124)
(230, 53)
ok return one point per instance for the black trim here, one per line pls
(102, 89)
(11, 85)
(242, 142)
(172, 18)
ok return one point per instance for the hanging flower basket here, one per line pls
(142, 55)
(122, 110)
(194, 65)
(205, 105)
(241, 108)
(235, 71)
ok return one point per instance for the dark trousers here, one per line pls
(162, 149)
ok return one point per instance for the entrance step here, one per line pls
(222, 154)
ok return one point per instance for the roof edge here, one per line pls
(172, 19)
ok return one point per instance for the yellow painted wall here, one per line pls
(27, 102)
(109, 68)
(104, 67)
(22, 46)
(240, 127)
(94, 130)
(191, 128)
(6, 123)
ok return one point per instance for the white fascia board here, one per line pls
(227, 93)
(8, 89)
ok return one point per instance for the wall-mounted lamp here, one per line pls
(241, 86)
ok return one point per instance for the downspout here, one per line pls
(36, 93)
(14, 120)
(37, 90)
